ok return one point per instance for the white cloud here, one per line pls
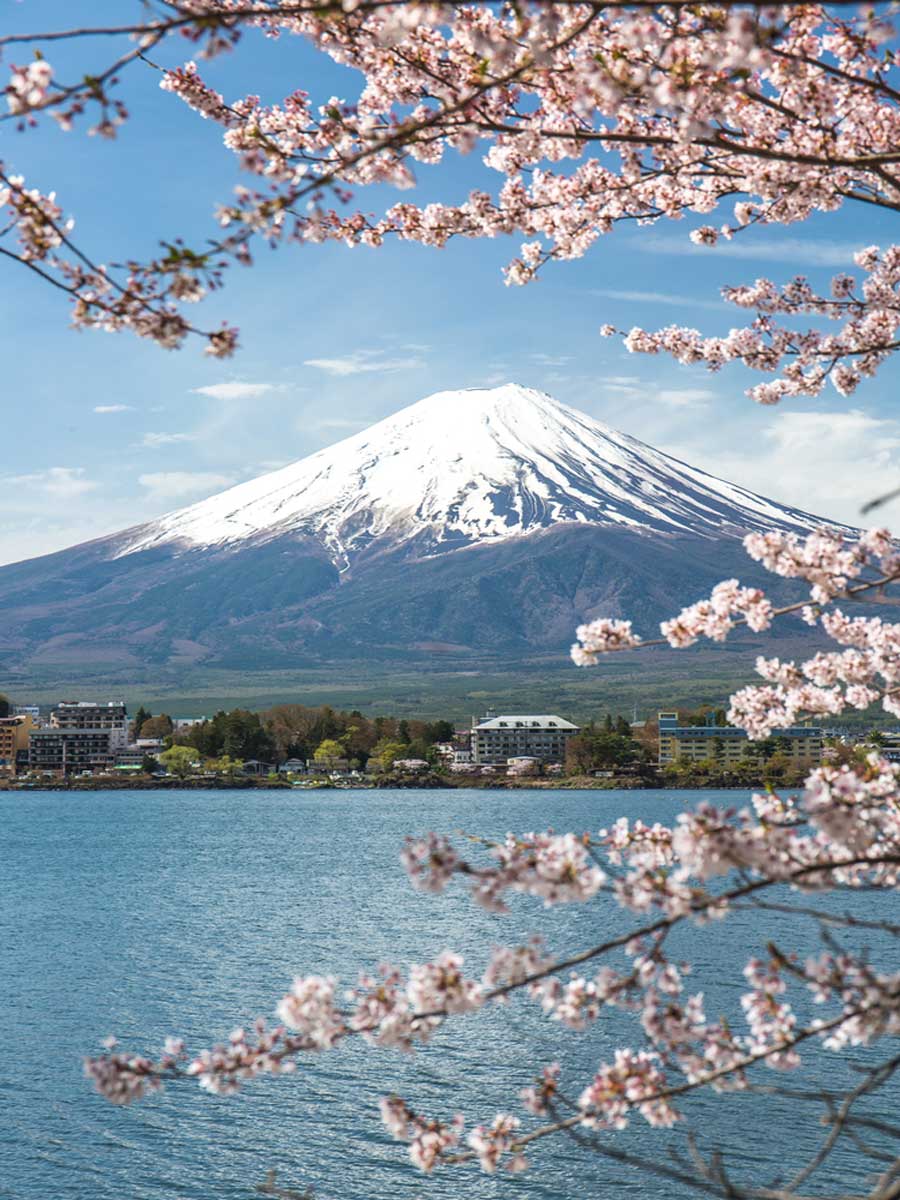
(362, 362)
(551, 360)
(175, 485)
(63, 483)
(113, 408)
(234, 390)
(623, 385)
(155, 440)
(752, 245)
(684, 397)
(828, 464)
(657, 298)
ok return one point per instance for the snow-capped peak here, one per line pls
(464, 467)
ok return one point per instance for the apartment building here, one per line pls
(69, 751)
(728, 746)
(14, 734)
(87, 716)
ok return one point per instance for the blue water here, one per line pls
(149, 913)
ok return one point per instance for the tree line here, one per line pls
(321, 733)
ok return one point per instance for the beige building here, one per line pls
(728, 746)
(14, 734)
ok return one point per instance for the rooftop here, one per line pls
(525, 721)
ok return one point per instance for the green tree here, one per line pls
(179, 760)
(225, 766)
(386, 752)
(328, 752)
(149, 765)
(438, 731)
(5, 705)
(142, 715)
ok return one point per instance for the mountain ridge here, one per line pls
(476, 528)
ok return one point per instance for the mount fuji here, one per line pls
(464, 468)
(480, 526)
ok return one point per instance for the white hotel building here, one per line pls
(496, 739)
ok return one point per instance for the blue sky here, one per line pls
(103, 431)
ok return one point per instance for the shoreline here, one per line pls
(429, 783)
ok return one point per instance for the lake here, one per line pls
(151, 913)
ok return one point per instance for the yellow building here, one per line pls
(14, 735)
(728, 746)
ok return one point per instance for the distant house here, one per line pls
(254, 767)
(410, 764)
(293, 766)
(496, 739)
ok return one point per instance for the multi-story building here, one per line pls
(14, 733)
(86, 716)
(69, 751)
(728, 746)
(888, 745)
(496, 739)
(29, 710)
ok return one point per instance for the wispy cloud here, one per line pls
(826, 463)
(550, 360)
(810, 251)
(234, 390)
(362, 362)
(154, 441)
(63, 483)
(623, 385)
(176, 485)
(684, 397)
(113, 408)
(672, 298)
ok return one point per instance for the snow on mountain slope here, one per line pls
(464, 467)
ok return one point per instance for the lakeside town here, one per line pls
(89, 743)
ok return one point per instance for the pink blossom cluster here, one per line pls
(771, 1019)
(869, 999)
(492, 1143)
(869, 317)
(429, 1140)
(224, 1068)
(555, 867)
(510, 966)
(715, 618)
(827, 559)
(309, 1008)
(634, 1080)
(538, 1098)
(122, 1078)
(601, 637)
(28, 86)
